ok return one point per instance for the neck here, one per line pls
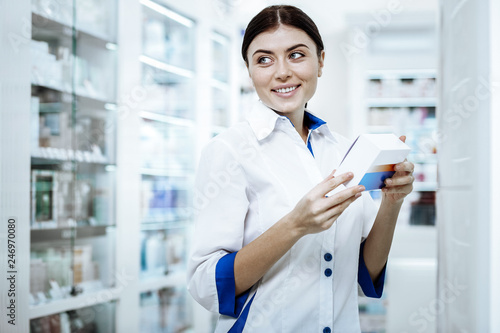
(297, 120)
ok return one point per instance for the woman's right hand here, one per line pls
(315, 212)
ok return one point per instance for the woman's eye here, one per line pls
(296, 55)
(264, 60)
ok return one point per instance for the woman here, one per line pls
(272, 252)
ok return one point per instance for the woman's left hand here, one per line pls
(401, 183)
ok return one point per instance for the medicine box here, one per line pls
(371, 159)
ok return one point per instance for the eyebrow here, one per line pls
(287, 50)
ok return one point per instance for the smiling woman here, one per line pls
(271, 252)
(284, 68)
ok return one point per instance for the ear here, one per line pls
(321, 62)
(248, 70)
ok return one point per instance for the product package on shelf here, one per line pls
(58, 10)
(59, 200)
(83, 320)
(44, 198)
(51, 67)
(402, 88)
(52, 274)
(163, 252)
(163, 199)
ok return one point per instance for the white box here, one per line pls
(371, 159)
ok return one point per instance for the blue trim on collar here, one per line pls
(229, 304)
(310, 147)
(312, 122)
(370, 289)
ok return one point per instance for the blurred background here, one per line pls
(106, 105)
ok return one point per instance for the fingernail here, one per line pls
(388, 181)
(361, 188)
(350, 174)
(357, 195)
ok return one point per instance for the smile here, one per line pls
(286, 90)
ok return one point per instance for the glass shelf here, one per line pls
(93, 18)
(68, 263)
(167, 36)
(168, 93)
(80, 319)
(166, 147)
(220, 79)
(73, 153)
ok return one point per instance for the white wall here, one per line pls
(468, 212)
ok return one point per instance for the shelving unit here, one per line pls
(404, 102)
(105, 134)
(73, 162)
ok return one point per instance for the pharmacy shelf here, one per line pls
(401, 102)
(67, 90)
(59, 28)
(76, 302)
(167, 119)
(167, 172)
(401, 74)
(53, 156)
(177, 279)
(176, 223)
(55, 234)
(166, 67)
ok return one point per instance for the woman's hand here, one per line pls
(401, 183)
(315, 212)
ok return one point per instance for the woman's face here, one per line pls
(284, 67)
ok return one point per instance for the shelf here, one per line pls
(402, 102)
(171, 280)
(68, 90)
(48, 235)
(167, 119)
(166, 67)
(178, 223)
(166, 172)
(425, 186)
(167, 13)
(59, 28)
(73, 303)
(50, 156)
(402, 74)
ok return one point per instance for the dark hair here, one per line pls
(271, 17)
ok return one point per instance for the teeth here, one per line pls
(285, 90)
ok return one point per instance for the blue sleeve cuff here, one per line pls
(229, 303)
(370, 289)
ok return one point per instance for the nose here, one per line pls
(283, 71)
